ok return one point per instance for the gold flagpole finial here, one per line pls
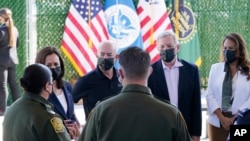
(89, 22)
(177, 17)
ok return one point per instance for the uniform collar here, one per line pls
(38, 98)
(136, 88)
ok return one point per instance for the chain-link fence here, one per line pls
(50, 22)
(19, 17)
(215, 18)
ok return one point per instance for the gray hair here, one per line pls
(167, 33)
(112, 43)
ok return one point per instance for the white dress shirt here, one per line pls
(63, 101)
(172, 78)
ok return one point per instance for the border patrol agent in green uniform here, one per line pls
(31, 117)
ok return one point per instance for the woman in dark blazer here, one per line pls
(61, 96)
(8, 58)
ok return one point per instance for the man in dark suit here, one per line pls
(177, 81)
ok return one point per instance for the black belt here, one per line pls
(228, 114)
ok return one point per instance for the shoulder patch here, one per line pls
(57, 124)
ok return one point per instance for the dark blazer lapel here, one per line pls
(160, 78)
(57, 105)
(68, 99)
(183, 80)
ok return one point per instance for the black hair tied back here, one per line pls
(24, 83)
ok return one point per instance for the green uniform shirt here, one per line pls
(31, 118)
(135, 115)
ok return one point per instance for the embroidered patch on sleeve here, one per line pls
(57, 124)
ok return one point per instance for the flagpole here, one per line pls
(117, 9)
(89, 22)
(177, 16)
(151, 39)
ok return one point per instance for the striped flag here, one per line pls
(153, 19)
(84, 29)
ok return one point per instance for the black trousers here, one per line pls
(7, 76)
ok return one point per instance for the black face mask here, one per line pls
(230, 55)
(167, 55)
(55, 72)
(105, 64)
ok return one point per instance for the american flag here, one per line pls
(84, 29)
(153, 19)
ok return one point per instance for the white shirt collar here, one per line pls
(176, 64)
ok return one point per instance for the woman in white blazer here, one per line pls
(234, 57)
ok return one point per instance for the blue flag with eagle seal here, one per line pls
(123, 24)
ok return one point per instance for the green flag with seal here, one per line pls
(185, 28)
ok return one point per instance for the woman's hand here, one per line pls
(226, 122)
(73, 129)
